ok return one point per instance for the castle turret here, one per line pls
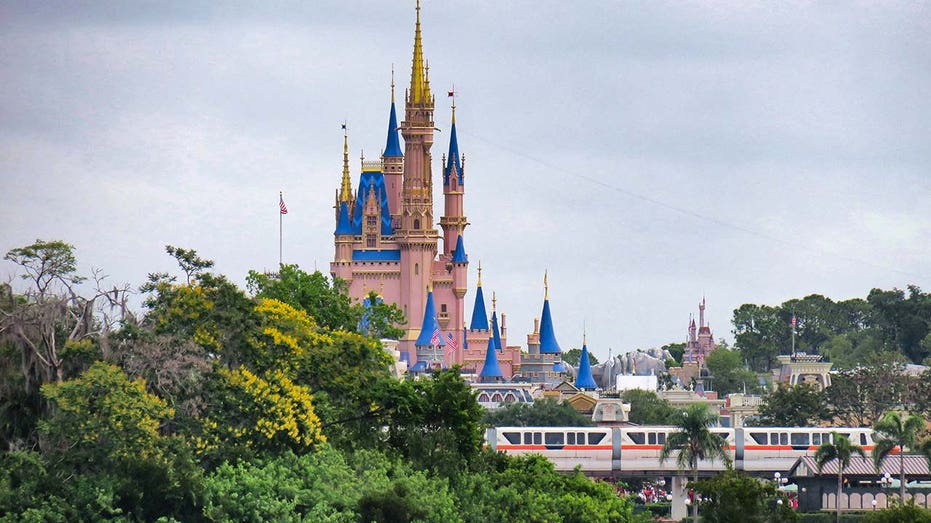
(479, 316)
(491, 371)
(453, 220)
(584, 380)
(344, 232)
(430, 341)
(393, 163)
(548, 344)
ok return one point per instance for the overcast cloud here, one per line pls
(645, 153)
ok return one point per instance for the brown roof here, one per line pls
(915, 466)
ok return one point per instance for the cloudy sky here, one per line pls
(644, 153)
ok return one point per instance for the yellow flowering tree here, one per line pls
(102, 416)
(260, 412)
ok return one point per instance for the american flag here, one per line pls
(451, 342)
(281, 205)
(435, 339)
(794, 321)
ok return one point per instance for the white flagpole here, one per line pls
(280, 235)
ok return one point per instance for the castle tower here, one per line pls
(416, 236)
(430, 342)
(453, 220)
(343, 233)
(393, 163)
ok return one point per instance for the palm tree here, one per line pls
(694, 442)
(894, 431)
(841, 449)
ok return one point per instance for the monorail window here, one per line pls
(651, 438)
(862, 438)
(816, 438)
(661, 438)
(759, 437)
(595, 438)
(512, 437)
(553, 438)
(570, 438)
(773, 438)
(784, 438)
(799, 439)
(537, 438)
(580, 438)
(637, 437)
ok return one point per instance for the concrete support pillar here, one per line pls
(679, 493)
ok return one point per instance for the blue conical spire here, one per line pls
(430, 326)
(393, 146)
(452, 159)
(585, 380)
(491, 369)
(495, 333)
(343, 226)
(459, 255)
(479, 315)
(548, 344)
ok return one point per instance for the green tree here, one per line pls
(191, 264)
(676, 350)
(899, 513)
(436, 422)
(894, 431)
(573, 356)
(859, 397)
(693, 442)
(541, 413)
(761, 333)
(801, 405)
(728, 373)
(646, 408)
(840, 449)
(734, 496)
(905, 321)
(379, 319)
(327, 302)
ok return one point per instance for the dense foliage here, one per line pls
(541, 413)
(216, 405)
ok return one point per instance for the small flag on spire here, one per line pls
(450, 94)
(794, 321)
(451, 342)
(281, 206)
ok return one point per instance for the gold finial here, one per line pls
(418, 91)
(584, 334)
(345, 191)
(546, 286)
(392, 83)
(429, 286)
(480, 273)
(494, 301)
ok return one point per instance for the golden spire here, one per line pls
(546, 287)
(419, 90)
(480, 273)
(392, 83)
(345, 191)
(494, 301)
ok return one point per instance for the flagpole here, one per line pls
(280, 235)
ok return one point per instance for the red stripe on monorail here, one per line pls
(561, 447)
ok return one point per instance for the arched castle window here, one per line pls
(416, 224)
(416, 269)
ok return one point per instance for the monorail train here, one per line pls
(636, 449)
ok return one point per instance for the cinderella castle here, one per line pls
(386, 242)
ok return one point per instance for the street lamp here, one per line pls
(779, 480)
(874, 504)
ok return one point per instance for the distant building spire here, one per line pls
(585, 380)
(345, 190)
(548, 344)
(491, 371)
(479, 314)
(393, 145)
